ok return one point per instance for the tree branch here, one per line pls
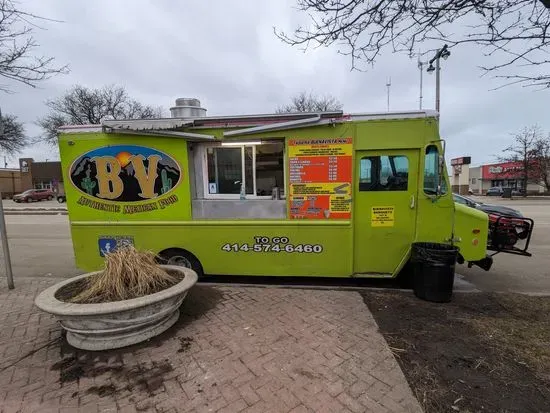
(17, 46)
(81, 105)
(515, 30)
(307, 102)
(12, 138)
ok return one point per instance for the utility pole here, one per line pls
(3, 232)
(388, 85)
(421, 67)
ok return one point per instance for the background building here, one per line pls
(460, 175)
(505, 174)
(481, 178)
(37, 175)
(475, 180)
(10, 182)
(41, 175)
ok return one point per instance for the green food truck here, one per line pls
(303, 194)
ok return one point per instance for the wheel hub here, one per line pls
(179, 260)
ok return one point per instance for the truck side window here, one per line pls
(384, 173)
(259, 167)
(365, 177)
(431, 172)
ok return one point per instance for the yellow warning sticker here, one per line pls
(382, 216)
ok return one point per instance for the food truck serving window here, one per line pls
(258, 168)
(384, 173)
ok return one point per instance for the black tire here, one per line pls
(28, 200)
(177, 256)
(405, 278)
(50, 198)
(60, 199)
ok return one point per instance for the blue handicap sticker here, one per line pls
(106, 246)
(110, 244)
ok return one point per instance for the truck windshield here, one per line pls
(431, 172)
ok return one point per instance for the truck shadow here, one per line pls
(306, 282)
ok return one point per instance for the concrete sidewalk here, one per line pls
(234, 349)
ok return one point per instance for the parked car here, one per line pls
(518, 192)
(495, 191)
(34, 195)
(487, 208)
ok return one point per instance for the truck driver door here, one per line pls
(384, 210)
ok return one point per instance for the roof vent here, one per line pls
(187, 108)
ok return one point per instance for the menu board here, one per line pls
(320, 178)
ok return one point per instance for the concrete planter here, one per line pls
(116, 324)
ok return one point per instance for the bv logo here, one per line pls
(125, 173)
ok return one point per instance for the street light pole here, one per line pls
(441, 53)
(3, 232)
(5, 246)
(437, 84)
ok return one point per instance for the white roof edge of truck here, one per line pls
(154, 125)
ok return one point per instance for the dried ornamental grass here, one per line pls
(128, 274)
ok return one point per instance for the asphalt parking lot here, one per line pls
(513, 273)
(41, 246)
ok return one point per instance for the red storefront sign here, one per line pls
(505, 170)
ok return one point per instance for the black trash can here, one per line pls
(433, 271)
(506, 192)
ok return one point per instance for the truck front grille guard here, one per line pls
(500, 229)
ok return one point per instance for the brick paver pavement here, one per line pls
(234, 349)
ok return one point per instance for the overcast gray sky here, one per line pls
(225, 54)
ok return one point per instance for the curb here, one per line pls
(35, 209)
(35, 212)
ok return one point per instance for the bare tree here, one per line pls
(515, 30)
(12, 138)
(307, 102)
(17, 46)
(541, 164)
(526, 150)
(81, 106)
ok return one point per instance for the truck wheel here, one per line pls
(60, 199)
(183, 258)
